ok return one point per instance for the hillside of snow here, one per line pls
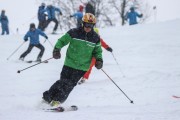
(148, 56)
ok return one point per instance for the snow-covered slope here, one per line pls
(148, 57)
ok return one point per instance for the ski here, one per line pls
(62, 109)
(31, 61)
(174, 96)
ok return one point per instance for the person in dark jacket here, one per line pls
(132, 16)
(78, 16)
(42, 17)
(4, 23)
(33, 34)
(52, 17)
(84, 43)
(90, 7)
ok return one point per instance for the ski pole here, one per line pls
(15, 51)
(49, 42)
(118, 87)
(118, 65)
(34, 65)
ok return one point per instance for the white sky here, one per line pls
(166, 9)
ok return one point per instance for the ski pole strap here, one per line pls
(33, 65)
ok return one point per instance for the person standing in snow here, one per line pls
(132, 16)
(33, 34)
(52, 17)
(104, 45)
(90, 7)
(84, 43)
(4, 23)
(78, 16)
(42, 17)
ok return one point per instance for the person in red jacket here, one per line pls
(104, 45)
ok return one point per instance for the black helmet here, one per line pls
(32, 25)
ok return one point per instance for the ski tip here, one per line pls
(174, 96)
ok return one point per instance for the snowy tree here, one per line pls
(123, 6)
(107, 12)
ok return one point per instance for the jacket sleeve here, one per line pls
(104, 45)
(139, 15)
(63, 41)
(57, 9)
(26, 36)
(41, 33)
(97, 52)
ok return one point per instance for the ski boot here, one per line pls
(38, 59)
(21, 58)
(82, 81)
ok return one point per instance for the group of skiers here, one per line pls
(45, 19)
(84, 50)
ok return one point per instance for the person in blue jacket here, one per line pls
(78, 16)
(33, 34)
(42, 16)
(52, 17)
(132, 16)
(4, 23)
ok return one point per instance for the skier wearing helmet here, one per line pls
(84, 44)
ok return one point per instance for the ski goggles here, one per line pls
(88, 25)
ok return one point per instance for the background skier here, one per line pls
(52, 17)
(42, 17)
(33, 34)
(90, 7)
(4, 23)
(78, 16)
(132, 16)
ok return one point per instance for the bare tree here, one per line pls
(122, 7)
(106, 11)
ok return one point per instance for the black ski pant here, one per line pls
(42, 25)
(79, 23)
(61, 89)
(55, 21)
(31, 47)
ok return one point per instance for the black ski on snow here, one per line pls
(174, 96)
(62, 109)
(31, 61)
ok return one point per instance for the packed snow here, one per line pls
(147, 70)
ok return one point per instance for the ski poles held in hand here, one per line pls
(34, 65)
(16, 50)
(118, 87)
